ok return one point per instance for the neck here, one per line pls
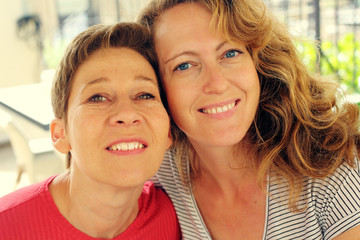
(225, 168)
(99, 210)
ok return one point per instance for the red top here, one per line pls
(31, 214)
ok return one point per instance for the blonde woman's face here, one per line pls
(212, 85)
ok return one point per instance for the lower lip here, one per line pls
(127, 153)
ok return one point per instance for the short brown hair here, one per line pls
(128, 35)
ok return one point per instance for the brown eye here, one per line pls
(146, 96)
(97, 98)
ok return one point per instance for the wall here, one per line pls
(19, 60)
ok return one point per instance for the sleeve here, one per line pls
(341, 210)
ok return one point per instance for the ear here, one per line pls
(58, 136)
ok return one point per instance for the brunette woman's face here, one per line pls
(118, 128)
(211, 84)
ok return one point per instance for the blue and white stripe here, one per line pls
(333, 205)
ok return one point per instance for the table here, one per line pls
(31, 102)
(28, 111)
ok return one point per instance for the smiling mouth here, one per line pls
(219, 109)
(126, 146)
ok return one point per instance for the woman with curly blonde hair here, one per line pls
(262, 148)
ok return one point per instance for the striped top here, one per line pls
(333, 205)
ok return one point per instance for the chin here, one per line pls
(227, 140)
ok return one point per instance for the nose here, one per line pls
(215, 81)
(125, 115)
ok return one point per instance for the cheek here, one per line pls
(256, 87)
(177, 96)
(254, 78)
(249, 83)
(159, 117)
(176, 104)
(82, 127)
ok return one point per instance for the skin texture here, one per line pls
(114, 100)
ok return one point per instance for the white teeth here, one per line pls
(131, 146)
(126, 146)
(123, 146)
(219, 109)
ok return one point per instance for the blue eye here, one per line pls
(183, 66)
(231, 53)
(146, 96)
(97, 98)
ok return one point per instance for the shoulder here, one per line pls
(340, 188)
(154, 200)
(157, 216)
(19, 208)
(344, 178)
(329, 206)
(23, 196)
(152, 195)
(336, 199)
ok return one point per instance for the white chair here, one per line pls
(36, 156)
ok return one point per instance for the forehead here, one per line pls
(123, 54)
(182, 23)
(181, 15)
(121, 60)
(116, 65)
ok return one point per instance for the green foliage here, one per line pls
(309, 53)
(336, 59)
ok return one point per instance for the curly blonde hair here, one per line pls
(300, 128)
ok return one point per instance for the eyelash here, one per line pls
(178, 67)
(97, 98)
(232, 51)
(146, 96)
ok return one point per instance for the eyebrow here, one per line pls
(220, 45)
(102, 79)
(95, 81)
(147, 79)
(180, 54)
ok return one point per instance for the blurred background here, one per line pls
(36, 32)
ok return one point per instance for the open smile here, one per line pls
(220, 109)
(126, 146)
